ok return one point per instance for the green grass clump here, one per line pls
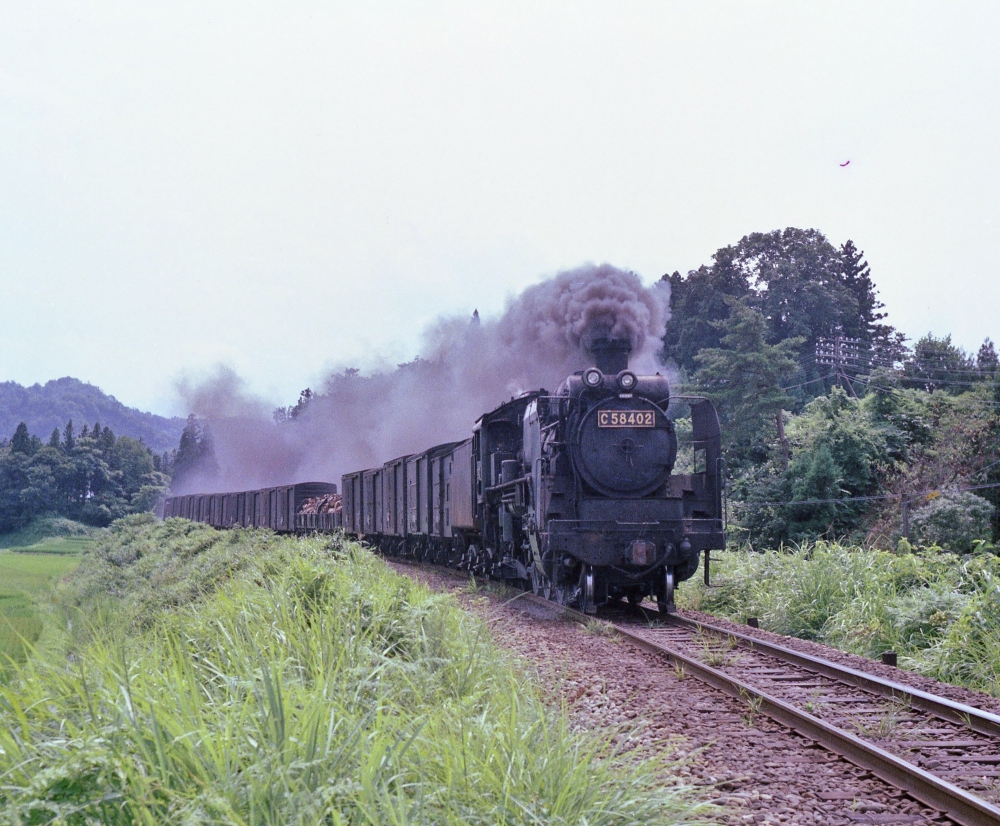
(938, 611)
(241, 678)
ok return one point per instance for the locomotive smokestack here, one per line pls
(611, 354)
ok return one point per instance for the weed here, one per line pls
(754, 704)
(599, 628)
(883, 725)
(499, 589)
(714, 650)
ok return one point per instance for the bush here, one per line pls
(954, 521)
(46, 527)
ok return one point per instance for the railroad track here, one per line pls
(942, 753)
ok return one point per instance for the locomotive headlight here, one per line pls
(626, 380)
(593, 378)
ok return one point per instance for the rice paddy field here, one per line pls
(28, 576)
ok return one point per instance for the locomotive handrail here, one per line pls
(511, 483)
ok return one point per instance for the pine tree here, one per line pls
(188, 452)
(21, 441)
(744, 378)
(55, 439)
(69, 442)
(987, 361)
(85, 432)
(96, 432)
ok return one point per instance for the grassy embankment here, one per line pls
(236, 677)
(32, 561)
(939, 611)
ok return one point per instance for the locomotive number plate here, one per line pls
(626, 418)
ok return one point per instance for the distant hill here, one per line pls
(48, 406)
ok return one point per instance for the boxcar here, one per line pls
(274, 508)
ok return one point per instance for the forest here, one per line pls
(835, 426)
(92, 476)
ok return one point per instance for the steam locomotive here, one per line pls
(572, 494)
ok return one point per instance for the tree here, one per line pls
(68, 440)
(842, 448)
(936, 363)
(987, 361)
(95, 481)
(744, 377)
(697, 304)
(195, 457)
(800, 285)
(803, 286)
(886, 346)
(21, 441)
(188, 451)
(305, 397)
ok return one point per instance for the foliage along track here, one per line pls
(758, 770)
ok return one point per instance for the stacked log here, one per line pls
(330, 503)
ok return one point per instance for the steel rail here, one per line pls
(976, 719)
(961, 806)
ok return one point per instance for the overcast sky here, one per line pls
(287, 187)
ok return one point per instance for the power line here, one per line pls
(899, 391)
(847, 499)
(811, 381)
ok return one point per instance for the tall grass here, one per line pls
(940, 612)
(239, 678)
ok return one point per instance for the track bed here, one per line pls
(758, 769)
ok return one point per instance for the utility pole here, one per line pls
(779, 420)
(840, 352)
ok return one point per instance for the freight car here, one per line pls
(286, 509)
(571, 494)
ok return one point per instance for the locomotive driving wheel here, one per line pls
(587, 602)
(665, 600)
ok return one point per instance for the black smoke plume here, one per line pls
(465, 369)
